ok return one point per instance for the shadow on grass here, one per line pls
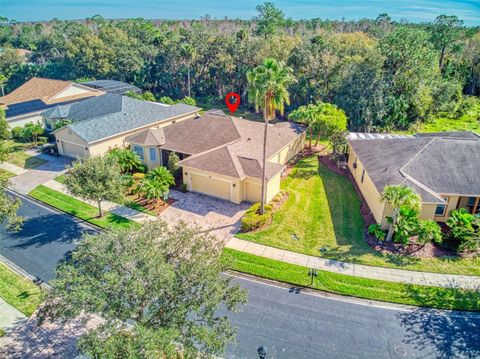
(33, 162)
(452, 334)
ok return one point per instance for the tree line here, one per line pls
(384, 74)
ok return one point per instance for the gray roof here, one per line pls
(450, 134)
(113, 86)
(431, 165)
(109, 115)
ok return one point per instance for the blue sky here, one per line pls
(413, 11)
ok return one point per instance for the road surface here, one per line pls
(287, 323)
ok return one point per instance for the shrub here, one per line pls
(17, 133)
(465, 229)
(138, 176)
(376, 230)
(429, 231)
(253, 219)
(184, 188)
(166, 100)
(188, 101)
(126, 159)
(41, 140)
(172, 164)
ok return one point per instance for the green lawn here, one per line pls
(442, 298)
(4, 174)
(19, 292)
(19, 157)
(322, 217)
(60, 179)
(80, 209)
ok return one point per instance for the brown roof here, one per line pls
(39, 88)
(222, 144)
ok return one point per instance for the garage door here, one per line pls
(253, 191)
(72, 150)
(211, 186)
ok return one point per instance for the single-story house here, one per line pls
(443, 169)
(101, 123)
(113, 87)
(221, 156)
(25, 104)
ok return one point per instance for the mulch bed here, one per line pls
(157, 206)
(429, 250)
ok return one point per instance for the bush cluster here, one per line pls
(253, 219)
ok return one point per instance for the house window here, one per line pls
(48, 126)
(153, 154)
(363, 175)
(440, 210)
(139, 151)
(473, 205)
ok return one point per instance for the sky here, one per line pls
(413, 11)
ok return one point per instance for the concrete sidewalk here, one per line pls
(357, 270)
(115, 208)
(10, 317)
(16, 170)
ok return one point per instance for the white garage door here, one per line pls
(72, 150)
(211, 186)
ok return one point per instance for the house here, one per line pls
(443, 169)
(113, 87)
(222, 155)
(25, 104)
(101, 123)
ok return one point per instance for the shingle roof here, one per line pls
(38, 88)
(109, 115)
(450, 134)
(430, 165)
(113, 86)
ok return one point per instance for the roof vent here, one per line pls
(249, 139)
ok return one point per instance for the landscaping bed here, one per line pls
(149, 206)
(424, 296)
(19, 292)
(323, 216)
(80, 209)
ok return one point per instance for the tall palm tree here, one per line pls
(268, 91)
(397, 197)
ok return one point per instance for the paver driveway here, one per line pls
(220, 217)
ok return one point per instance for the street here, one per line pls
(288, 324)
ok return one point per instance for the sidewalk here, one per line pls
(10, 317)
(16, 170)
(115, 208)
(357, 270)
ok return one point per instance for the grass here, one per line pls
(80, 209)
(424, 296)
(60, 179)
(18, 291)
(323, 213)
(138, 207)
(19, 157)
(4, 174)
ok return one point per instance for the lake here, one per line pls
(413, 11)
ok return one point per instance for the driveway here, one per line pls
(219, 217)
(26, 182)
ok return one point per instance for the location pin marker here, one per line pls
(232, 106)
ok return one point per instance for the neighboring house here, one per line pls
(102, 123)
(25, 104)
(443, 168)
(222, 155)
(113, 87)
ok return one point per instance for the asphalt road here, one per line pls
(288, 324)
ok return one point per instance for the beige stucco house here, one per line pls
(222, 155)
(102, 123)
(26, 103)
(443, 168)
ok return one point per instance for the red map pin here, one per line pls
(232, 106)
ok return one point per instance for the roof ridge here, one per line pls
(236, 163)
(413, 179)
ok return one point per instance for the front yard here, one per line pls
(20, 158)
(322, 218)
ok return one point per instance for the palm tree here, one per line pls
(126, 159)
(398, 197)
(267, 90)
(156, 185)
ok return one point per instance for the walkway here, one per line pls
(16, 170)
(10, 317)
(357, 270)
(115, 208)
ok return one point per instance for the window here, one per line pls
(440, 210)
(48, 126)
(473, 205)
(153, 154)
(363, 175)
(139, 151)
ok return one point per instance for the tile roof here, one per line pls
(431, 165)
(109, 115)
